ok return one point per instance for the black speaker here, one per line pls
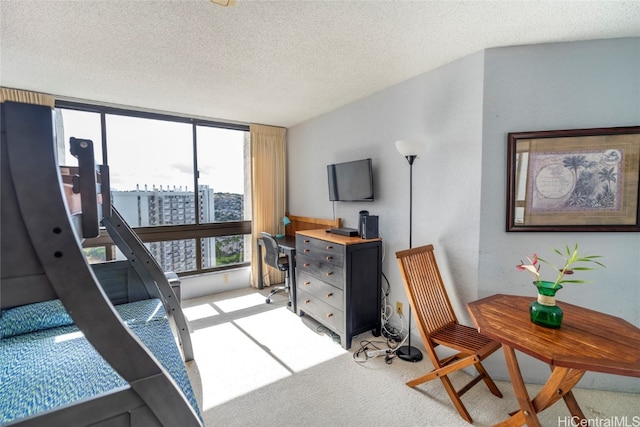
(370, 227)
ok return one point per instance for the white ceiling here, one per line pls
(272, 62)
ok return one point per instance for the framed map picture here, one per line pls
(574, 180)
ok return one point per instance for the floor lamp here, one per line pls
(409, 149)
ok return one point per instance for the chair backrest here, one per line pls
(426, 293)
(272, 251)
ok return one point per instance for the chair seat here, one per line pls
(465, 339)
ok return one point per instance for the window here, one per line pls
(181, 183)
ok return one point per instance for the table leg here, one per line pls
(526, 414)
(574, 409)
(260, 280)
(559, 385)
(292, 281)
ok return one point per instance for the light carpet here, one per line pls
(259, 364)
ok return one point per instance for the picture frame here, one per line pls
(574, 180)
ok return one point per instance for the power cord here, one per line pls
(392, 334)
(370, 350)
(386, 309)
(323, 330)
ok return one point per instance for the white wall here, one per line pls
(208, 283)
(444, 109)
(464, 111)
(551, 87)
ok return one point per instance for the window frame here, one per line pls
(162, 233)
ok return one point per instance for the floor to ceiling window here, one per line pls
(181, 183)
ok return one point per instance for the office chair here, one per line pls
(273, 258)
(439, 325)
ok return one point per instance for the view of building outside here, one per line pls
(158, 206)
(152, 167)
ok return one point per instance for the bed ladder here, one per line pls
(150, 271)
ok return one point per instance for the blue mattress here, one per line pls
(45, 361)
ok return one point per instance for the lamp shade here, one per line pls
(286, 220)
(409, 147)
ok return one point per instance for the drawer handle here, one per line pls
(329, 258)
(329, 315)
(330, 273)
(306, 264)
(307, 283)
(307, 250)
(307, 301)
(329, 247)
(306, 240)
(330, 294)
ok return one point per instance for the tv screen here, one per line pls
(351, 181)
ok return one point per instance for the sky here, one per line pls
(154, 153)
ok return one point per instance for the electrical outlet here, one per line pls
(399, 308)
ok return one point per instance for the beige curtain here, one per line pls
(268, 192)
(26, 97)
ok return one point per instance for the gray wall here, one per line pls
(547, 87)
(463, 112)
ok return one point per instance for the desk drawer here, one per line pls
(326, 272)
(321, 311)
(319, 289)
(320, 249)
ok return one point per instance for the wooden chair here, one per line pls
(438, 325)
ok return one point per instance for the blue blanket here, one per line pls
(45, 361)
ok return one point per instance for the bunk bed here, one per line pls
(71, 352)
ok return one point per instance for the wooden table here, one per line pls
(586, 341)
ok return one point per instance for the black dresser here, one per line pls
(338, 282)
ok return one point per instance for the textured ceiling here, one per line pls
(271, 62)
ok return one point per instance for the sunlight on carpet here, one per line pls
(232, 370)
(201, 311)
(290, 341)
(254, 345)
(241, 302)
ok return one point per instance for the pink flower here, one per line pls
(570, 257)
(532, 267)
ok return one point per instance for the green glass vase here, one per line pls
(544, 311)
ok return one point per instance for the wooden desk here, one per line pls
(287, 246)
(586, 341)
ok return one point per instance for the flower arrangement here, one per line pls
(570, 258)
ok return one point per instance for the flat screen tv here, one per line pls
(351, 181)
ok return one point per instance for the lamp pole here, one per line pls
(410, 159)
(407, 352)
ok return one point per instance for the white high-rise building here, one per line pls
(158, 206)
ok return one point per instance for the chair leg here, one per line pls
(275, 291)
(279, 289)
(443, 370)
(453, 364)
(487, 380)
(455, 398)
